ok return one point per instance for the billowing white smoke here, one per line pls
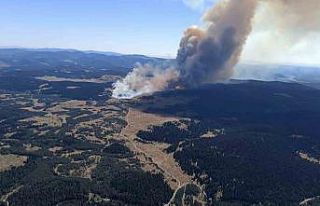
(209, 54)
(285, 32)
(205, 55)
(144, 79)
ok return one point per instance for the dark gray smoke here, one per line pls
(206, 54)
(210, 54)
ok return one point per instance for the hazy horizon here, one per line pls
(152, 28)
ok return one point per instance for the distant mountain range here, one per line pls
(46, 58)
(18, 58)
(108, 53)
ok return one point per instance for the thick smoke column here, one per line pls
(209, 55)
(205, 55)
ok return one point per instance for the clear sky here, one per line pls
(150, 27)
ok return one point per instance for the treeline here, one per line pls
(114, 181)
(250, 168)
(174, 132)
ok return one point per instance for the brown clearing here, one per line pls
(151, 155)
(10, 160)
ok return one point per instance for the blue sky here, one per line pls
(152, 27)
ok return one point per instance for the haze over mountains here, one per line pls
(112, 60)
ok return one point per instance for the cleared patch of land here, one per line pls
(209, 135)
(151, 154)
(31, 148)
(11, 160)
(49, 119)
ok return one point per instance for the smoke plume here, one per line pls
(285, 32)
(295, 15)
(144, 79)
(209, 54)
(205, 55)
